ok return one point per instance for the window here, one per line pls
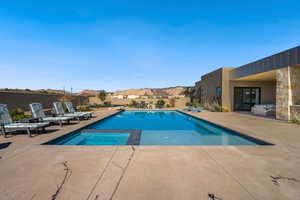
(218, 92)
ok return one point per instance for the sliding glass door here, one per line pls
(246, 97)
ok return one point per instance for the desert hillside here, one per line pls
(88, 93)
(172, 91)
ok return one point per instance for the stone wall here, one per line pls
(295, 84)
(295, 112)
(283, 93)
(287, 91)
(16, 100)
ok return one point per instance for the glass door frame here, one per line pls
(242, 97)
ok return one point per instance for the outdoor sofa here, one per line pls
(194, 109)
(264, 109)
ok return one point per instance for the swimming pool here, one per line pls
(154, 128)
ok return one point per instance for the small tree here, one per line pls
(160, 103)
(132, 104)
(102, 95)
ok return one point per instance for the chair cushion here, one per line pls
(26, 125)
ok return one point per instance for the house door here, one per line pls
(246, 97)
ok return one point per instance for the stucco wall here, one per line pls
(16, 100)
(208, 85)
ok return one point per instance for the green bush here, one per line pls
(194, 103)
(213, 107)
(132, 104)
(83, 108)
(188, 103)
(168, 106)
(160, 103)
(296, 119)
(17, 114)
(102, 95)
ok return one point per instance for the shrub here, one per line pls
(132, 104)
(213, 107)
(17, 114)
(160, 103)
(188, 103)
(193, 103)
(169, 106)
(102, 95)
(83, 108)
(296, 119)
(225, 109)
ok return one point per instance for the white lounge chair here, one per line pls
(59, 110)
(8, 124)
(70, 108)
(37, 112)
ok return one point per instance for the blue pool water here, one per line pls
(155, 128)
(96, 139)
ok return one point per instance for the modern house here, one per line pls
(133, 96)
(271, 80)
(119, 96)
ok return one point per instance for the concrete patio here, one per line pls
(29, 170)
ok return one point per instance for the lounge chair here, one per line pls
(71, 109)
(37, 112)
(8, 124)
(59, 110)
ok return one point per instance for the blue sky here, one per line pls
(115, 45)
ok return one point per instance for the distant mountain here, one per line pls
(88, 93)
(43, 91)
(52, 91)
(171, 91)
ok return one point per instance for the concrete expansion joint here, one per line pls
(123, 172)
(102, 175)
(228, 173)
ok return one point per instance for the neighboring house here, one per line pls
(145, 97)
(271, 80)
(133, 96)
(118, 96)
